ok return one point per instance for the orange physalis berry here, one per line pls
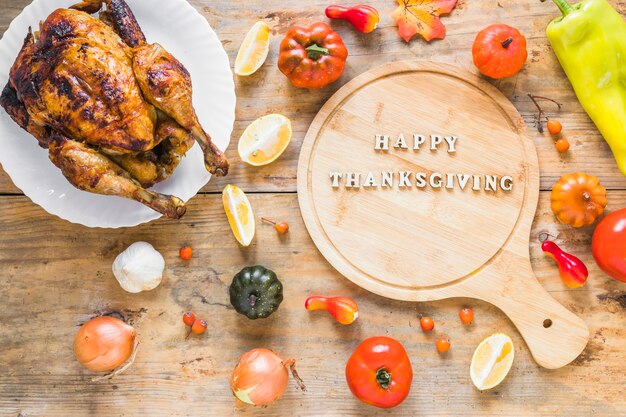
(554, 127)
(199, 327)
(186, 253)
(189, 318)
(427, 324)
(562, 145)
(443, 344)
(282, 227)
(466, 315)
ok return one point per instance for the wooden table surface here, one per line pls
(56, 275)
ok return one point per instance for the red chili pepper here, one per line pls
(573, 271)
(364, 18)
(343, 309)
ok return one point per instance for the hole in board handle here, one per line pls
(547, 323)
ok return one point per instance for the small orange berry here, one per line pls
(186, 253)
(443, 344)
(466, 315)
(427, 324)
(554, 127)
(199, 327)
(282, 227)
(189, 318)
(562, 145)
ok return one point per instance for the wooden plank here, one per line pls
(268, 91)
(55, 275)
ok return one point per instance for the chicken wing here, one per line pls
(120, 15)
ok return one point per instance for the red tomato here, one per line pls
(379, 372)
(609, 245)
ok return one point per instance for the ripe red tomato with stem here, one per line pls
(379, 372)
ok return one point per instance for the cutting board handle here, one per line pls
(554, 335)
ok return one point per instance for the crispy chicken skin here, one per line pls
(154, 166)
(115, 112)
(79, 77)
(16, 109)
(120, 16)
(165, 82)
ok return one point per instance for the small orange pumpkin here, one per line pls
(578, 199)
(499, 51)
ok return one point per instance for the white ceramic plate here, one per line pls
(177, 26)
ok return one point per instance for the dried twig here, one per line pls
(540, 114)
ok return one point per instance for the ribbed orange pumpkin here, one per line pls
(499, 51)
(578, 199)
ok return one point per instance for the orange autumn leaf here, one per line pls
(422, 16)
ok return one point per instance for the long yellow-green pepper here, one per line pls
(590, 42)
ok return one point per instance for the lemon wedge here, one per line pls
(239, 213)
(492, 361)
(254, 49)
(265, 139)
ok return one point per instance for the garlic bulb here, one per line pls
(139, 268)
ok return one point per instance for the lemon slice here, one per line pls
(492, 361)
(265, 139)
(254, 49)
(239, 213)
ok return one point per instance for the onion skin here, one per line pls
(104, 343)
(260, 377)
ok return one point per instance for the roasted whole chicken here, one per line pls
(114, 111)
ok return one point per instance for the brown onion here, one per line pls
(104, 343)
(261, 377)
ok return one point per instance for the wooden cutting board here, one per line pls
(418, 181)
